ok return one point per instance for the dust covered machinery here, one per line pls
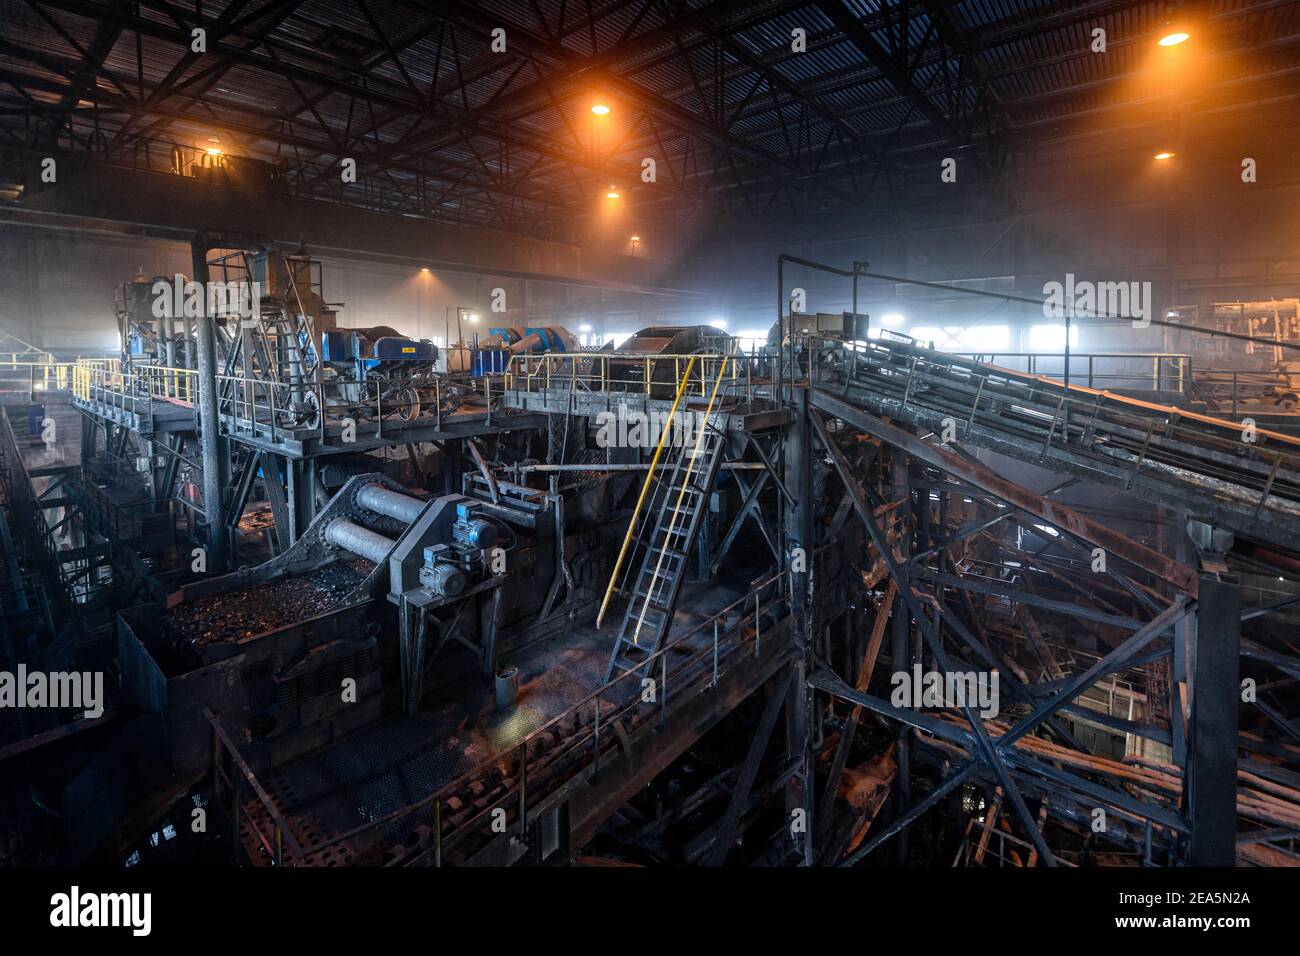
(817, 337)
(543, 338)
(675, 340)
(291, 285)
(267, 646)
(491, 353)
(146, 338)
(377, 371)
(665, 340)
(840, 326)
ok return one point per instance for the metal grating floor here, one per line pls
(400, 760)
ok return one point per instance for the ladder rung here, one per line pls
(654, 581)
(651, 605)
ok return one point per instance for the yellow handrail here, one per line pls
(548, 369)
(677, 506)
(645, 487)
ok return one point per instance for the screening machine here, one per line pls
(268, 646)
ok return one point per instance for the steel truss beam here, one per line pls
(986, 748)
(1178, 575)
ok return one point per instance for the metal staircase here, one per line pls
(279, 353)
(680, 500)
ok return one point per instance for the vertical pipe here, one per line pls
(213, 514)
(900, 654)
(780, 322)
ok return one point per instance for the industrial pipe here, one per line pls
(392, 504)
(216, 465)
(210, 446)
(352, 537)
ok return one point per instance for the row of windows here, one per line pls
(994, 338)
(948, 338)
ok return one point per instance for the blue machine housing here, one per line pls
(551, 340)
(378, 349)
(137, 347)
(490, 362)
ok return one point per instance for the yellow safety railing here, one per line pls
(687, 475)
(169, 383)
(682, 389)
(99, 380)
(43, 375)
(161, 382)
(613, 371)
(81, 382)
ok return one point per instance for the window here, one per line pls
(748, 339)
(971, 338)
(1051, 338)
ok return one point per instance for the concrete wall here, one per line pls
(57, 287)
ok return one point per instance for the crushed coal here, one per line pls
(247, 612)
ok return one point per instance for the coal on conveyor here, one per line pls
(246, 612)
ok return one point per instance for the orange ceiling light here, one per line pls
(1165, 155)
(1174, 37)
(612, 194)
(600, 109)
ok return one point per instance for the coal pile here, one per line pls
(247, 612)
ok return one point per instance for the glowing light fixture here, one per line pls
(1165, 155)
(213, 150)
(600, 109)
(473, 316)
(1174, 37)
(635, 238)
(425, 270)
(612, 194)
(892, 318)
(584, 327)
(718, 323)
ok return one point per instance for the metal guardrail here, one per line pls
(110, 390)
(629, 373)
(580, 749)
(235, 776)
(1156, 450)
(264, 408)
(1231, 389)
(270, 408)
(1158, 371)
(41, 376)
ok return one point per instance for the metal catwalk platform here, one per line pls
(458, 782)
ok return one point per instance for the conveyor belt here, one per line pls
(1203, 465)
